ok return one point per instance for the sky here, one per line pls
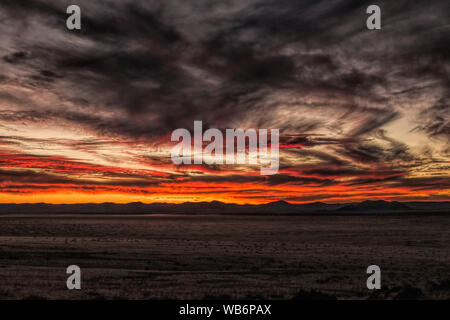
(86, 116)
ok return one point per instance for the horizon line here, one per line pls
(230, 203)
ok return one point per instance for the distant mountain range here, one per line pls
(216, 207)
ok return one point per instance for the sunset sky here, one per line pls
(86, 116)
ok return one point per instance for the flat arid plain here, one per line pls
(225, 257)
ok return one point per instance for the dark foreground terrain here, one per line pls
(241, 257)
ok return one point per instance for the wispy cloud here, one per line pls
(360, 112)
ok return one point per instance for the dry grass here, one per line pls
(207, 257)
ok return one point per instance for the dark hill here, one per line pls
(379, 205)
(216, 207)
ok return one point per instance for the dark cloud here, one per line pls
(349, 172)
(437, 120)
(145, 63)
(64, 181)
(17, 57)
(289, 179)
